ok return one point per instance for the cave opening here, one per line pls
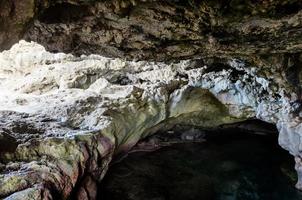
(73, 118)
(235, 162)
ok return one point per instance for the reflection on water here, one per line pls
(229, 167)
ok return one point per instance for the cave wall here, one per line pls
(64, 117)
(266, 34)
(201, 63)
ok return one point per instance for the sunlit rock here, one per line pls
(65, 117)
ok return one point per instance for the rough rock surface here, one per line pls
(64, 117)
(156, 29)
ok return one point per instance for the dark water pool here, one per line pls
(228, 167)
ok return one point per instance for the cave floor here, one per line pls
(232, 166)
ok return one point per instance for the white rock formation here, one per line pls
(64, 117)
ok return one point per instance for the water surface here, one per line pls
(226, 167)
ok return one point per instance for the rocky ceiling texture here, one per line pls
(155, 29)
(198, 63)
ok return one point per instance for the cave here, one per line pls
(238, 161)
(150, 99)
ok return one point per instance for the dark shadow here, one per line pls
(232, 164)
(64, 13)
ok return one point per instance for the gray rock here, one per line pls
(67, 122)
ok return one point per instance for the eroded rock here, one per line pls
(155, 29)
(71, 115)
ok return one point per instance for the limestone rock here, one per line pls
(67, 116)
(155, 29)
